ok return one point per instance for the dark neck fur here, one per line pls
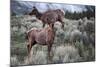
(38, 15)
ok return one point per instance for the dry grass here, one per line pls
(66, 54)
(64, 49)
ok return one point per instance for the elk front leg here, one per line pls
(49, 54)
(29, 47)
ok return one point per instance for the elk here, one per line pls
(50, 16)
(42, 37)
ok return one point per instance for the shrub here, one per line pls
(14, 61)
(90, 27)
(85, 38)
(39, 58)
(86, 52)
(65, 54)
(75, 35)
(85, 19)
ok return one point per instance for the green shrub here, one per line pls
(86, 52)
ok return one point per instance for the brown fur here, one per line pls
(42, 37)
(50, 16)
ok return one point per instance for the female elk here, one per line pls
(42, 37)
(55, 15)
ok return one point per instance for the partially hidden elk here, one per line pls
(42, 37)
(50, 16)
